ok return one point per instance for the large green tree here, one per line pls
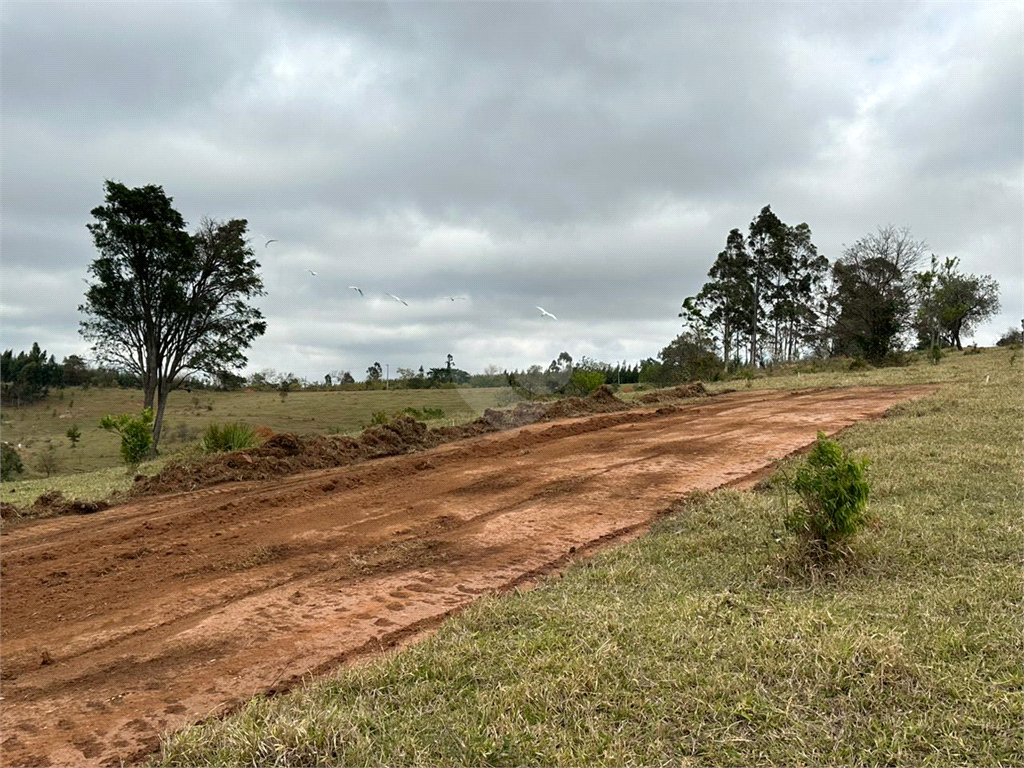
(762, 293)
(164, 303)
(874, 285)
(952, 304)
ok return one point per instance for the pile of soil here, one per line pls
(601, 400)
(288, 454)
(683, 391)
(51, 504)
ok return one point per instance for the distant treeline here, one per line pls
(30, 375)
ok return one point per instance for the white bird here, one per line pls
(269, 242)
(454, 298)
(311, 271)
(544, 312)
(396, 298)
(356, 288)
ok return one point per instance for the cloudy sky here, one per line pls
(589, 158)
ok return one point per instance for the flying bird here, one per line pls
(396, 298)
(544, 312)
(311, 271)
(269, 242)
(454, 298)
(356, 288)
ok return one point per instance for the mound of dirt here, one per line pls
(287, 454)
(509, 418)
(601, 400)
(51, 504)
(683, 391)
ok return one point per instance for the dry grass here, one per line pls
(699, 644)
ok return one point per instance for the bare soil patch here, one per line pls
(120, 625)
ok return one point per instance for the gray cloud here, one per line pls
(587, 157)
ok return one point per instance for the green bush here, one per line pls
(424, 415)
(379, 417)
(585, 382)
(221, 438)
(74, 434)
(10, 462)
(834, 492)
(136, 435)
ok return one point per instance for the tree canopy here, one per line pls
(764, 292)
(165, 303)
(874, 293)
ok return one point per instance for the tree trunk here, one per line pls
(149, 388)
(158, 421)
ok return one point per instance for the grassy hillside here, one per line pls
(701, 644)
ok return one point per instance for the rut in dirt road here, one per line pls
(143, 618)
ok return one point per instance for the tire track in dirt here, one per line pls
(124, 624)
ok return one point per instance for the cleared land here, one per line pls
(121, 626)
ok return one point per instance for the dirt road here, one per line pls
(121, 625)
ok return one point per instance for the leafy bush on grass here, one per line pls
(426, 414)
(585, 382)
(221, 438)
(136, 435)
(834, 492)
(10, 462)
(379, 417)
(74, 434)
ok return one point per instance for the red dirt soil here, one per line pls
(127, 623)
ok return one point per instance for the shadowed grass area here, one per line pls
(703, 643)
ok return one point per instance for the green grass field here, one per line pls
(94, 469)
(701, 644)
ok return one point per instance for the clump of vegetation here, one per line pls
(426, 414)
(834, 492)
(74, 434)
(1014, 337)
(48, 462)
(10, 462)
(222, 438)
(379, 417)
(184, 433)
(585, 382)
(136, 435)
(972, 350)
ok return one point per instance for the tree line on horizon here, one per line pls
(772, 298)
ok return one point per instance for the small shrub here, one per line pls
(185, 433)
(74, 434)
(48, 462)
(379, 417)
(859, 364)
(585, 382)
(10, 462)
(834, 492)
(221, 438)
(136, 435)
